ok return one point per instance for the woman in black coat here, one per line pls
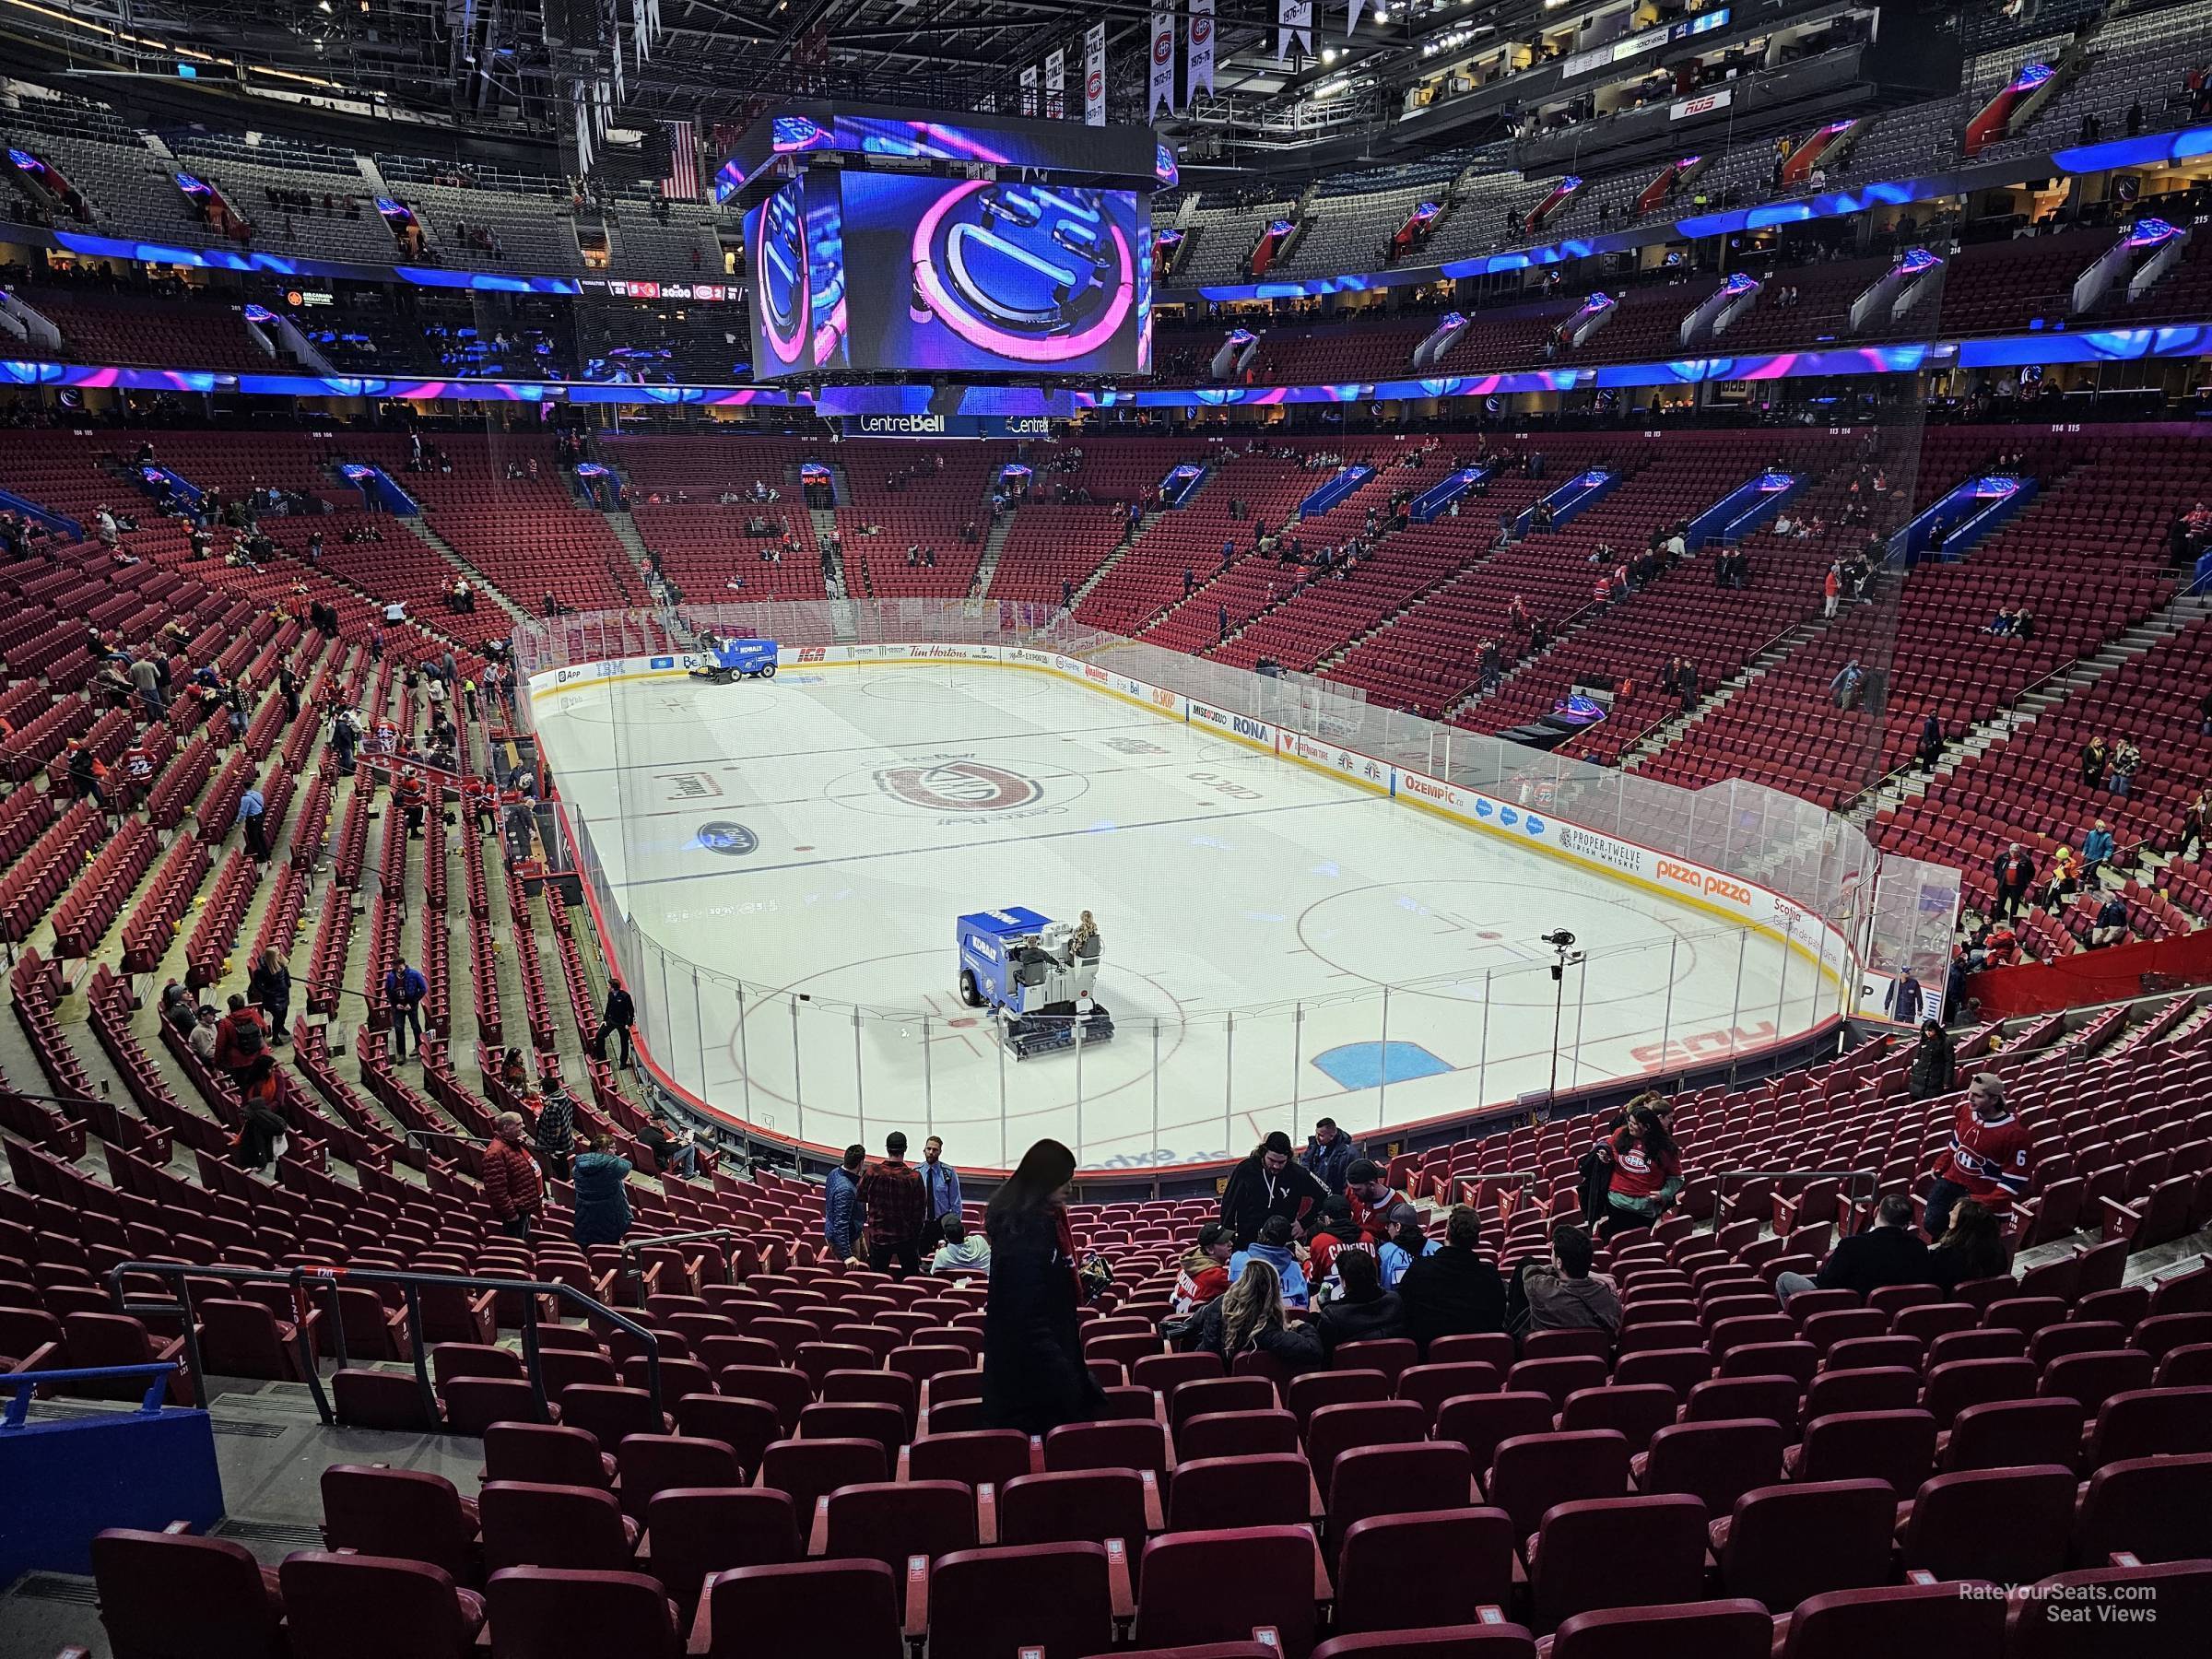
(1365, 1312)
(1034, 1378)
(1933, 1072)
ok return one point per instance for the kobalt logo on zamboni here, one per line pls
(723, 660)
(1035, 975)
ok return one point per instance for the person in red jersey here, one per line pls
(1989, 1159)
(1366, 1184)
(1647, 1172)
(1205, 1272)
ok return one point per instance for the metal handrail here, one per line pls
(1851, 1194)
(329, 1280)
(22, 1384)
(1797, 1174)
(682, 1237)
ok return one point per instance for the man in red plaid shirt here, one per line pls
(896, 1206)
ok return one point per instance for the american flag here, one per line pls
(681, 185)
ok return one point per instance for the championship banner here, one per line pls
(1351, 23)
(1162, 95)
(1028, 90)
(1199, 34)
(1055, 85)
(1294, 20)
(1094, 76)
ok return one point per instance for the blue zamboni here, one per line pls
(1036, 975)
(735, 659)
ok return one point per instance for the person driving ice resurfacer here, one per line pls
(723, 660)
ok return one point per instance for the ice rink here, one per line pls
(1278, 944)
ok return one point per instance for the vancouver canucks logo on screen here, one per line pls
(960, 786)
(1035, 273)
(781, 287)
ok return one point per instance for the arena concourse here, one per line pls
(983, 830)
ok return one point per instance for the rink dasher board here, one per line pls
(1670, 876)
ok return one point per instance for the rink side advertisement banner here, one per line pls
(1677, 877)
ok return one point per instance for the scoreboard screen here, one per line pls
(953, 275)
(894, 243)
(895, 271)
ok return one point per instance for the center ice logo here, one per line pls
(960, 786)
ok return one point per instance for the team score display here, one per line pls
(735, 659)
(1225, 786)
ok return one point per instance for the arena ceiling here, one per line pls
(491, 63)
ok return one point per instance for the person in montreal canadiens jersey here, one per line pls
(1989, 1157)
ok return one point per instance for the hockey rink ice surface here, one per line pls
(815, 836)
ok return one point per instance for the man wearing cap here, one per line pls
(1269, 1183)
(1374, 1200)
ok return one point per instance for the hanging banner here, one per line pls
(1351, 23)
(1055, 85)
(1199, 34)
(1162, 95)
(1294, 20)
(1094, 76)
(1028, 90)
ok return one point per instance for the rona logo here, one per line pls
(960, 786)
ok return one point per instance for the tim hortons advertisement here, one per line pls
(1359, 768)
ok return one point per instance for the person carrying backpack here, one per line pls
(404, 991)
(242, 1037)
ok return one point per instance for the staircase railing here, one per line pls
(310, 1284)
(21, 1385)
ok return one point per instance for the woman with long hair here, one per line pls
(1647, 1171)
(1034, 1378)
(1249, 1319)
(1973, 1248)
